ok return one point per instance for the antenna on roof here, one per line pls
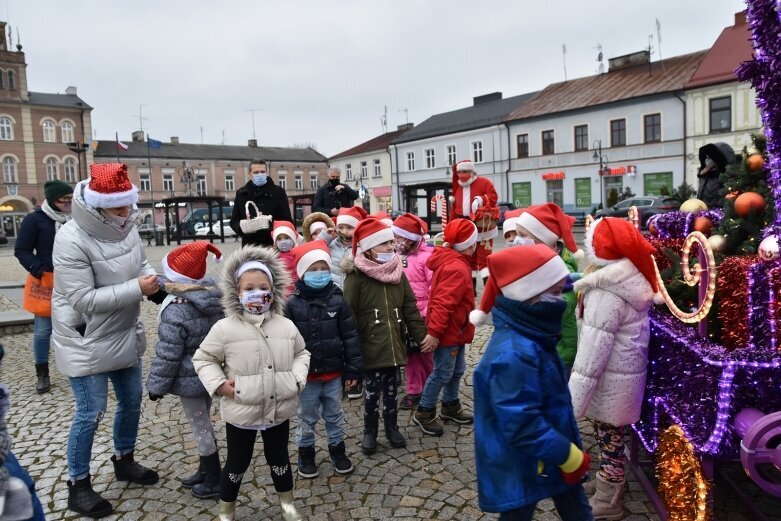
(384, 120)
(140, 115)
(406, 114)
(223, 136)
(564, 57)
(600, 56)
(201, 135)
(650, 51)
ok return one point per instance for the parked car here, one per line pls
(203, 230)
(503, 207)
(646, 206)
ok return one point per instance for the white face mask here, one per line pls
(550, 297)
(523, 241)
(382, 258)
(285, 245)
(119, 220)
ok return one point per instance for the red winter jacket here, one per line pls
(451, 299)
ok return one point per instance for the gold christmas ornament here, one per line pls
(717, 243)
(693, 206)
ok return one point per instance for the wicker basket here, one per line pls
(254, 224)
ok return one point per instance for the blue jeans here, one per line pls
(41, 337)
(571, 505)
(449, 367)
(91, 395)
(320, 398)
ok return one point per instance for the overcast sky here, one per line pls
(322, 71)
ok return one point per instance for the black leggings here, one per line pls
(378, 383)
(241, 445)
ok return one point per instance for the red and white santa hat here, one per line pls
(384, 217)
(550, 224)
(351, 216)
(510, 220)
(307, 254)
(460, 234)
(284, 227)
(186, 264)
(109, 186)
(519, 273)
(410, 226)
(370, 233)
(611, 239)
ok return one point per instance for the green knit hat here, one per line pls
(53, 190)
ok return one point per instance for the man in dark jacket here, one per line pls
(268, 197)
(333, 195)
(34, 246)
(714, 160)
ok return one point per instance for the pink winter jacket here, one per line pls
(419, 275)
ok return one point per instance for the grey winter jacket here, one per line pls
(184, 323)
(338, 252)
(96, 299)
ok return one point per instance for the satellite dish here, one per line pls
(599, 56)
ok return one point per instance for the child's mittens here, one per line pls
(575, 467)
(572, 278)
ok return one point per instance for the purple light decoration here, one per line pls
(764, 74)
(722, 415)
(677, 225)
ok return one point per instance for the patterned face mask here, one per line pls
(256, 301)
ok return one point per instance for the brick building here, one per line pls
(41, 137)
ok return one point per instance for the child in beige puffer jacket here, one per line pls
(256, 360)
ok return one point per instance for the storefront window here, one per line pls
(613, 186)
(555, 191)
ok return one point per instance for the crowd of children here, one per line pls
(288, 330)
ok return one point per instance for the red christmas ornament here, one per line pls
(652, 229)
(703, 225)
(748, 202)
(755, 162)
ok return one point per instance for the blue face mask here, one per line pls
(317, 279)
(259, 179)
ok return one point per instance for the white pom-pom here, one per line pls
(219, 259)
(451, 199)
(658, 299)
(478, 317)
(579, 255)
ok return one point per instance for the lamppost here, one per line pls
(78, 148)
(603, 169)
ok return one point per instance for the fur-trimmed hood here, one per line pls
(313, 218)
(229, 282)
(348, 264)
(623, 279)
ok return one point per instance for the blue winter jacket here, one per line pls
(524, 422)
(35, 242)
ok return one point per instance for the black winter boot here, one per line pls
(126, 469)
(198, 477)
(42, 372)
(342, 463)
(307, 467)
(210, 487)
(85, 501)
(395, 437)
(370, 427)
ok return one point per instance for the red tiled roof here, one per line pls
(731, 47)
(377, 143)
(620, 84)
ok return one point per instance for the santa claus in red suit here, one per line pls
(473, 197)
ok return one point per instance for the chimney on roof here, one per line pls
(174, 140)
(252, 143)
(629, 60)
(485, 98)
(405, 126)
(740, 18)
(71, 91)
(138, 135)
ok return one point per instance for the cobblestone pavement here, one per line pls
(433, 478)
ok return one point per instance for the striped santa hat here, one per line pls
(370, 233)
(307, 254)
(109, 186)
(519, 273)
(351, 216)
(284, 227)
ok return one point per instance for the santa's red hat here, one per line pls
(519, 273)
(109, 186)
(309, 253)
(284, 227)
(410, 226)
(460, 234)
(351, 216)
(465, 165)
(384, 217)
(187, 263)
(370, 233)
(550, 224)
(610, 239)
(510, 220)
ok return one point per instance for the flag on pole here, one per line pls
(153, 143)
(121, 145)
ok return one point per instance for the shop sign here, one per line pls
(381, 191)
(553, 176)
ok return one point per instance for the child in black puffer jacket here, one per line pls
(187, 315)
(323, 318)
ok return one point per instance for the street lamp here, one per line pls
(78, 148)
(603, 170)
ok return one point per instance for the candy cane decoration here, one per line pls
(442, 205)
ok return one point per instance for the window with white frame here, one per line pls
(6, 129)
(430, 158)
(52, 170)
(313, 184)
(69, 169)
(66, 129)
(477, 151)
(48, 131)
(9, 169)
(229, 184)
(364, 170)
(201, 186)
(145, 180)
(299, 182)
(410, 161)
(377, 170)
(450, 150)
(348, 171)
(282, 179)
(168, 183)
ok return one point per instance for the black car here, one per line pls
(503, 208)
(646, 206)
